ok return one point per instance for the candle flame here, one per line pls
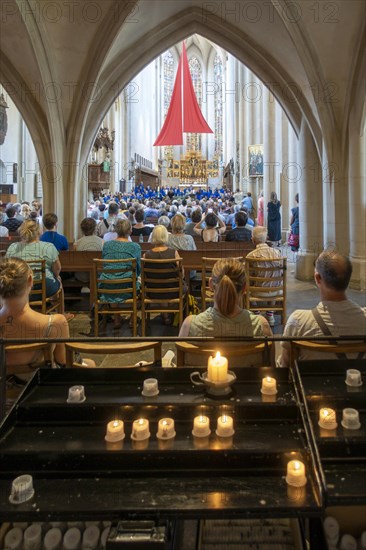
(325, 412)
(141, 421)
(269, 378)
(218, 355)
(202, 419)
(165, 423)
(296, 465)
(224, 418)
(115, 423)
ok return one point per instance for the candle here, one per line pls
(350, 419)
(269, 386)
(14, 539)
(296, 473)
(348, 542)
(166, 429)
(140, 429)
(72, 539)
(115, 431)
(327, 419)
(353, 377)
(150, 388)
(33, 537)
(76, 394)
(52, 539)
(217, 368)
(201, 426)
(331, 530)
(225, 426)
(21, 489)
(91, 537)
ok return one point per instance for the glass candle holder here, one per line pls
(32, 537)
(150, 387)
(331, 530)
(348, 542)
(351, 419)
(76, 394)
(21, 489)
(52, 539)
(225, 426)
(115, 431)
(296, 473)
(327, 419)
(140, 430)
(72, 539)
(201, 426)
(14, 539)
(353, 377)
(166, 429)
(269, 386)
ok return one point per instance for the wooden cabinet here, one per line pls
(98, 178)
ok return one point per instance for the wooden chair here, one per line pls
(120, 285)
(230, 349)
(340, 349)
(112, 349)
(158, 278)
(38, 298)
(258, 296)
(207, 295)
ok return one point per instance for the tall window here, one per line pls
(194, 141)
(218, 106)
(168, 63)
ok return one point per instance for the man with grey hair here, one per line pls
(262, 252)
(335, 314)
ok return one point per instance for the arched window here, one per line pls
(168, 64)
(194, 140)
(218, 104)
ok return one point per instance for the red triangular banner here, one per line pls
(184, 114)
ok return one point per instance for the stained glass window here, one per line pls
(168, 63)
(218, 70)
(194, 141)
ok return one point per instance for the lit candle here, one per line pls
(351, 419)
(327, 419)
(217, 368)
(76, 394)
(140, 429)
(269, 386)
(296, 473)
(166, 428)
(201, 426)
(225, 426)
(115, 431)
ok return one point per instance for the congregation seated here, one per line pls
(334, 315)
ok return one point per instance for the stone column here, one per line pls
(311, 234)
(269, 148)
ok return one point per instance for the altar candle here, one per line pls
(115, 431)
(224, 426)
(201, 426)
(327, 419)
(140, 429)
(166, 429)
(269, 386)
(217, 368)
(296, 473)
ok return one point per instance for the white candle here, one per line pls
(225, 426)
(91, 537)
(327, 419)
(76, 394)
(331, 530)
(33, 537)
(140, 429)
(150, 387)
(217, 368)
(269, 386)
(72, 539)
(115, 431)
(296, 473)
(21, 489)
(14, 539)
(348, 542)
(351, 419)
(166, 428)
(53, 539)
(201, 426)
(353, 377)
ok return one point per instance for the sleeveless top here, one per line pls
(212, 323)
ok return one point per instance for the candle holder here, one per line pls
(201, 426)
(115, 431)
(296, 473)
(351, 419)
(225, 426)
(21, 489)
(327, 419)
(52, 539)
(150, 388)
(269, 386)
(166, 429)
(217, 389)
(72, 539)
(353, 378)
(140, 430)
(76, 394)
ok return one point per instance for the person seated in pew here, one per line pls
(211, 233)
(89, 241)
(240, 232)
(140, 228)
(18, 320)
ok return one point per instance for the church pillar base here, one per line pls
(304, 270)
(358, 279)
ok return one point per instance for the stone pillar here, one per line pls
(311, 234)
(269, 148)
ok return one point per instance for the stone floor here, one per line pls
(300, 295)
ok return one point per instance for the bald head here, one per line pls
(335, 269)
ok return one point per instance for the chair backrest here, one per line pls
(162, 280)
(110, 349)
(339, 349)
(37, 298)
(20, 348)
(257, 351)
(207, 295)
(115, 278)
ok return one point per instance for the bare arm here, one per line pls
(185, 328)
(222, 226)
(59, 329)
(56, 268)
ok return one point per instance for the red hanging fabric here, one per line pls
(184, 114)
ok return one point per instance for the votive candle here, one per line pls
(166, 428)
(327, 419)
(351, 419)
(217, 368)
(296, 473)
(76, 394)
(115, 431)
(225, 426)
(201, 426)
(269, 386)
(140, 429)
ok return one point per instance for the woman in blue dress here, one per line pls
(295, 225)
(120, 249)
(274, 219)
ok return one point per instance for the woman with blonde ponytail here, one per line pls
(226, 317)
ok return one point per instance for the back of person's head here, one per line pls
(228, 279)
(297, 197)
(274, 196)
(14, 274)
(249, 194)
(113, 209)
(164, 220)
(196, 215)
(335, 269)
(25, 210)
(178, 223)
(88, 226)
(159, 235)
(259, 234)
(123, 228)
(33, 216)
(241, 219)
(17, 207)
(29, 231)
(173, 209)
(139, 215)
(102, 207)
(210, 220)
(10, 211)
(49, 220)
